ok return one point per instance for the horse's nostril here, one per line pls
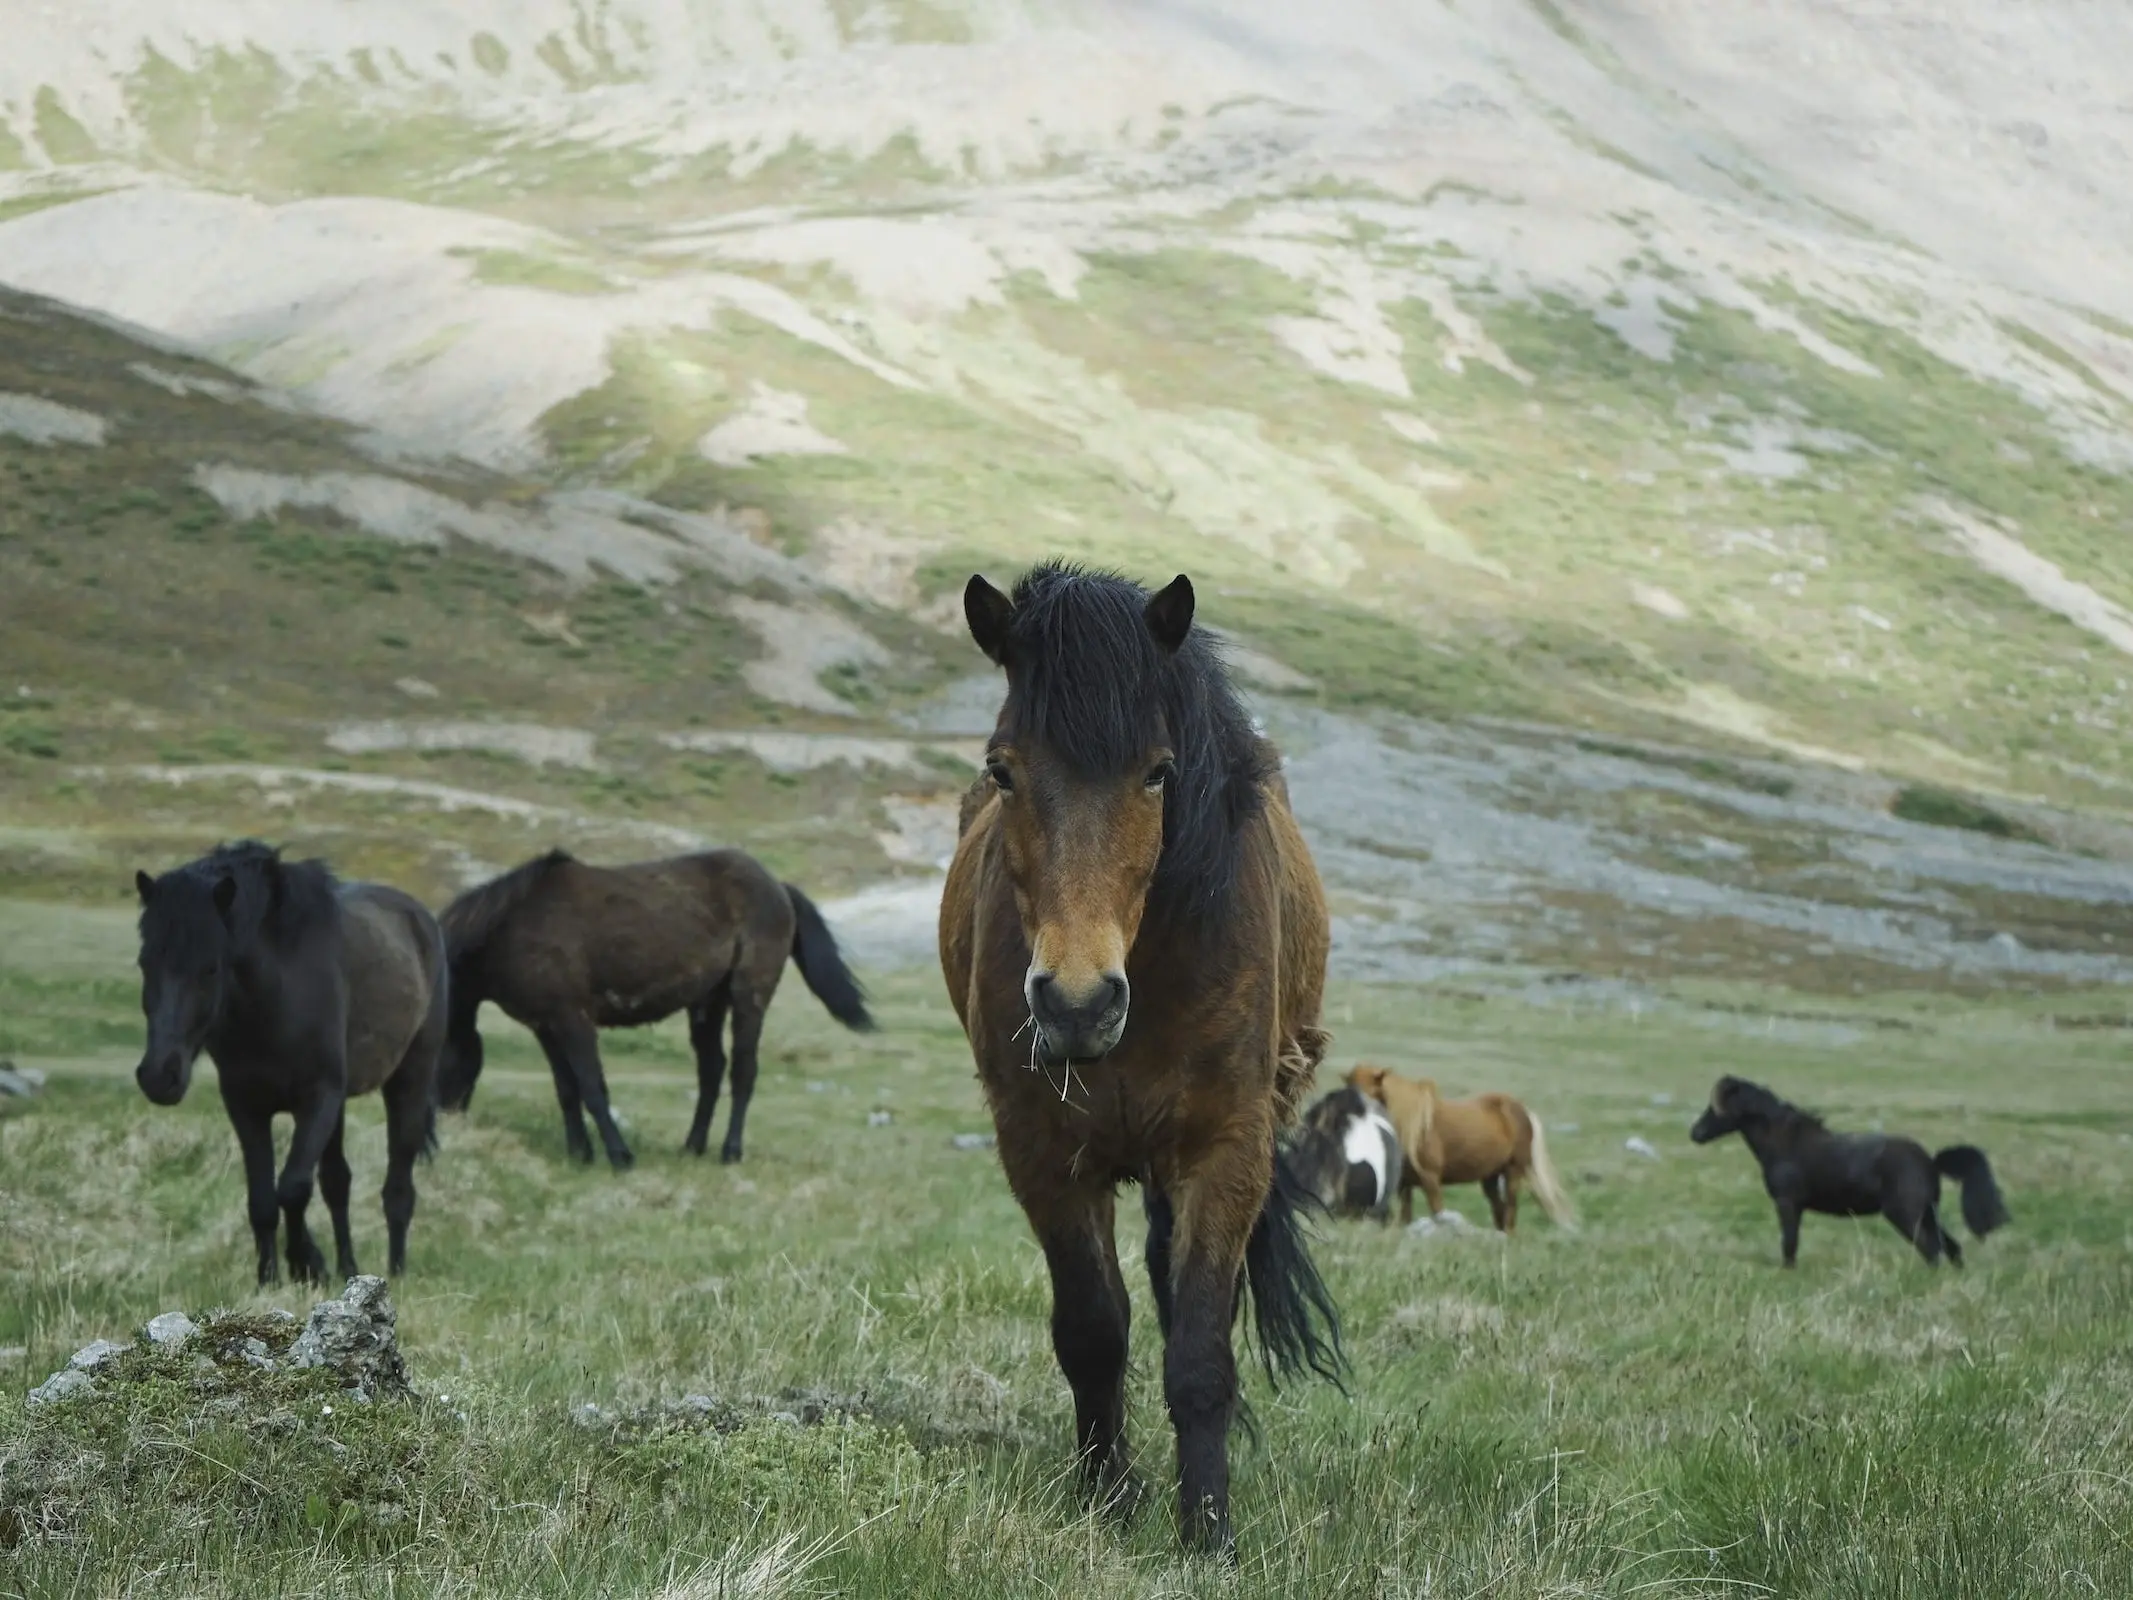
(1114, 993)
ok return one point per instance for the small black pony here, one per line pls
(304, 992)
(1808, 1168)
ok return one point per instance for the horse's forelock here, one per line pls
(1089, 683)
(285, 897)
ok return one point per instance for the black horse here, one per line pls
(304, 991)
(1348, 1155)
(1808, 1168)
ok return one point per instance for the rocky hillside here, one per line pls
(592, 389)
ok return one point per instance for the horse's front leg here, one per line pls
(315, 1125)
(1090, 1318)
(1217, 1206)
(255, 1138)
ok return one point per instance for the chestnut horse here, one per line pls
(1134, 937)
(1492, 1140)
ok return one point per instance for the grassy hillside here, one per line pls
(164, 657)
(1646, 1406)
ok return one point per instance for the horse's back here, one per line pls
(393, 957)
(635, 943)
(1481, 1135)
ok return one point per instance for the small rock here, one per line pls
(21, 1082)
(354, 1337)
(790, 1419)
(66, 1382)
(95, 1353)
(255, 1351)
(1662, 1099)
(588, 1415)
(1443, 1222)
(171, 1328)
(1640, 1147)
(2005, 947)
(971, 1141)
(878, 1119)
(13, 1352)
(1564, 1127)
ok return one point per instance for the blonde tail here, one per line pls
(1547, 1187)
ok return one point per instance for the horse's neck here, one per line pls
(1771, 1138)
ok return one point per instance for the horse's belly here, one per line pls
(388, 992)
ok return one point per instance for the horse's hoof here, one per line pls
(1120, 1499)
(621, 1160)
(729, 1155)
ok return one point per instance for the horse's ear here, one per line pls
(225, 894)
(1169, 614)
(989, 614)
(145, 885)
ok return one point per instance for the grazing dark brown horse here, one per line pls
(1806, 1167)
(1134, 937)
(304, 992)
(567, 949)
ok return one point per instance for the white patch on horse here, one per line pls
(1362, 1143)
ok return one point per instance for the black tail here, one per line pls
(1983, 1209)
(815, 953)
(1292, 1310)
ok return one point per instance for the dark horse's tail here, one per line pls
(1983, 1209)
(815, 953)
(1293, 1313)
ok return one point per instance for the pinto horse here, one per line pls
(1491, 1139)
(1134, 938)
(1348, 1155)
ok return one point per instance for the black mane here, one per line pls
(469, 920)
(1089, 682)
(277, 900)
(1339, 1107)
(1751, 1100)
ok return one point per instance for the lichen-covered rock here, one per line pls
(95, 1353)
(171, 1328)
(61, 1385)
(354, 1338)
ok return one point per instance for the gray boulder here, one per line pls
(95, 1353)
(61, 1385)
(354, 1338)
(171, 1328)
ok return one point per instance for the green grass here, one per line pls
(1647, 1406)
(1942, 808)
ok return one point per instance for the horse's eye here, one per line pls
(1002, 779)
(1161, 773)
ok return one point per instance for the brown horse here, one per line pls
(567, 949)
(1492, 1140)
(1134, 937)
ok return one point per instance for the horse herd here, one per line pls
(1134, 937)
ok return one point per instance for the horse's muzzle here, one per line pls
(1707, 1128)
(1078, 1027)
(165, 1080)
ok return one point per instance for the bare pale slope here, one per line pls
(1756, 378)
